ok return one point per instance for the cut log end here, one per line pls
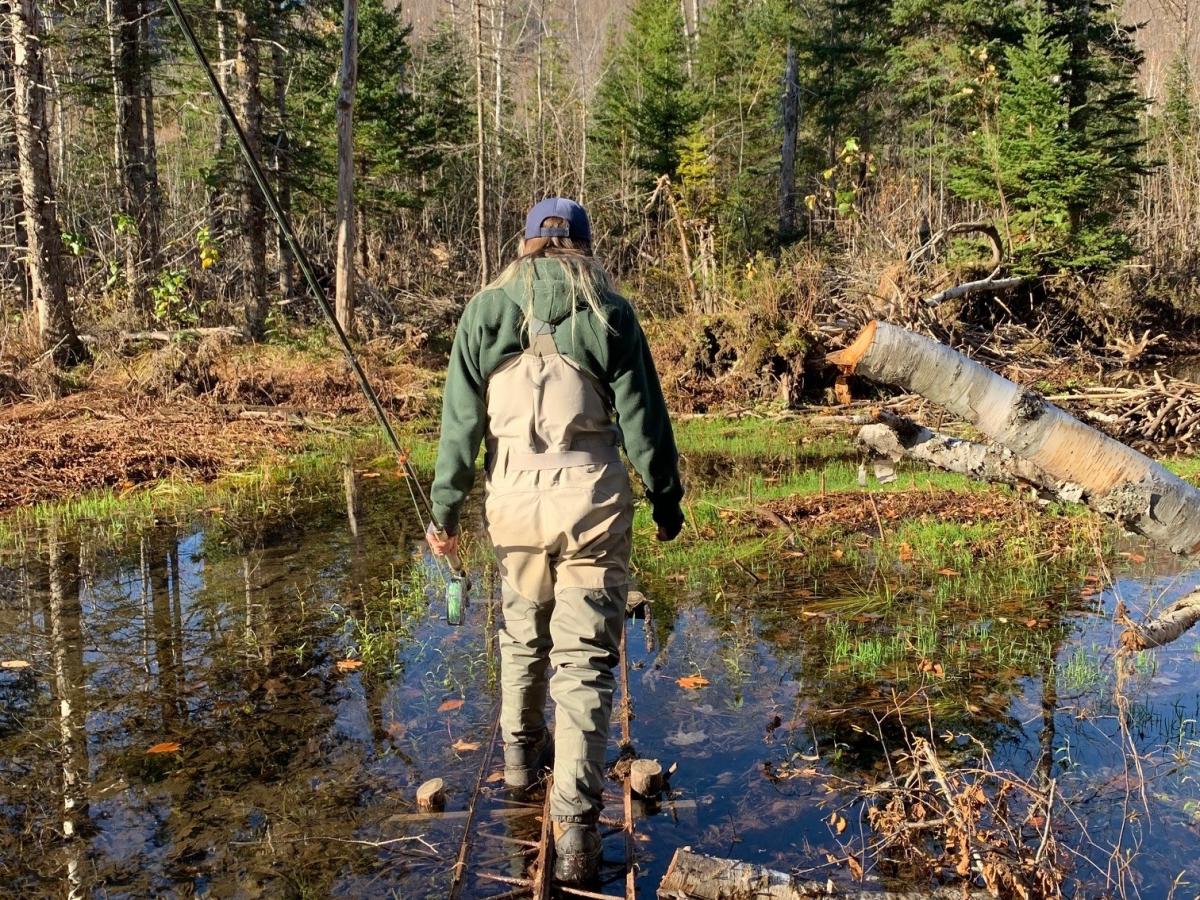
(431, 796)
(646, 777)
(848, 358)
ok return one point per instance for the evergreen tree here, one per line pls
(739, 65)
(1057, 188)
(642, 105)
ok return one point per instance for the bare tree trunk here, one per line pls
(254, 216)
(687, 37)
(280, 161)
(123, 23)
(12, 216)
(154, 214)
(480, 151)
(346, 244)
(55, 326)
(1114, 479)
(216, 218)
(787, 155)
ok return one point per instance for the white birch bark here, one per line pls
(1115, 479)
(43, 235)
(344, 286)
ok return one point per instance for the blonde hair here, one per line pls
(586, 278)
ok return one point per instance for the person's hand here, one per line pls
(669, 531)
(441, 546)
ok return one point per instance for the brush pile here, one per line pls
(1158, 412)
(968, 823)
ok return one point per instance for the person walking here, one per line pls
(551, 370)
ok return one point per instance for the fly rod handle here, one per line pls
(451, 557)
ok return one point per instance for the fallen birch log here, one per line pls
(1167, 626)
(693, 876)
(894, 438)
(1115, 479)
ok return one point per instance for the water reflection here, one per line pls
(295, 776)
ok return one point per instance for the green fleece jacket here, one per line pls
(490, 332)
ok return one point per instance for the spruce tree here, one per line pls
(642, 106)
(1057, 189)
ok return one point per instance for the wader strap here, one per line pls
(564, 459)
(541, 339)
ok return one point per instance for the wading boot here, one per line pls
(576, 852)
(525, 763)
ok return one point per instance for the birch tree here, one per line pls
(344, 285)
(56, 329)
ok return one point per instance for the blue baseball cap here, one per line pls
(569, 211)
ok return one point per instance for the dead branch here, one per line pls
(973, 287)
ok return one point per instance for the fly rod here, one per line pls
(456, 586)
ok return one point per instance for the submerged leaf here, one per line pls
(165, 747)
(450, 706)
(692, 682)
(465, 746)
(349, 665)
(683, 738)
(15, 664)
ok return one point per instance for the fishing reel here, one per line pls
(458, 583)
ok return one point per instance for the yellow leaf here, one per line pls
(349, 665)
(692, 682)
(465, 746)
(165, 747)
(14, 664)
(450, 706)
(949, 573)
(906, 551)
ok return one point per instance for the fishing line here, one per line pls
(415, 489)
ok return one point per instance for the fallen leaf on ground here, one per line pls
(450, 706)
(165, 747)
(465, 746)
(949, 573)
(691, 682)
(15, 664)
(906, 551)
(349, 665)
(371, 474)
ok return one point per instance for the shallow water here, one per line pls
(295, 777)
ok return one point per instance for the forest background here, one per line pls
(762, 173)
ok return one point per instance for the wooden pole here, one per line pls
(344, 281)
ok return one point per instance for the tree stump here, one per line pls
(431, 796)
(646, 777)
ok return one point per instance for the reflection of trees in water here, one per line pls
(164, 628)
(63, 610)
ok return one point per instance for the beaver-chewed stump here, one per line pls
(431, 796)
(646, 777)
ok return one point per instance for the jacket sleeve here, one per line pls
(645, 424)
(463, 420)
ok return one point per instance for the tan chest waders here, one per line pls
(559, 511)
